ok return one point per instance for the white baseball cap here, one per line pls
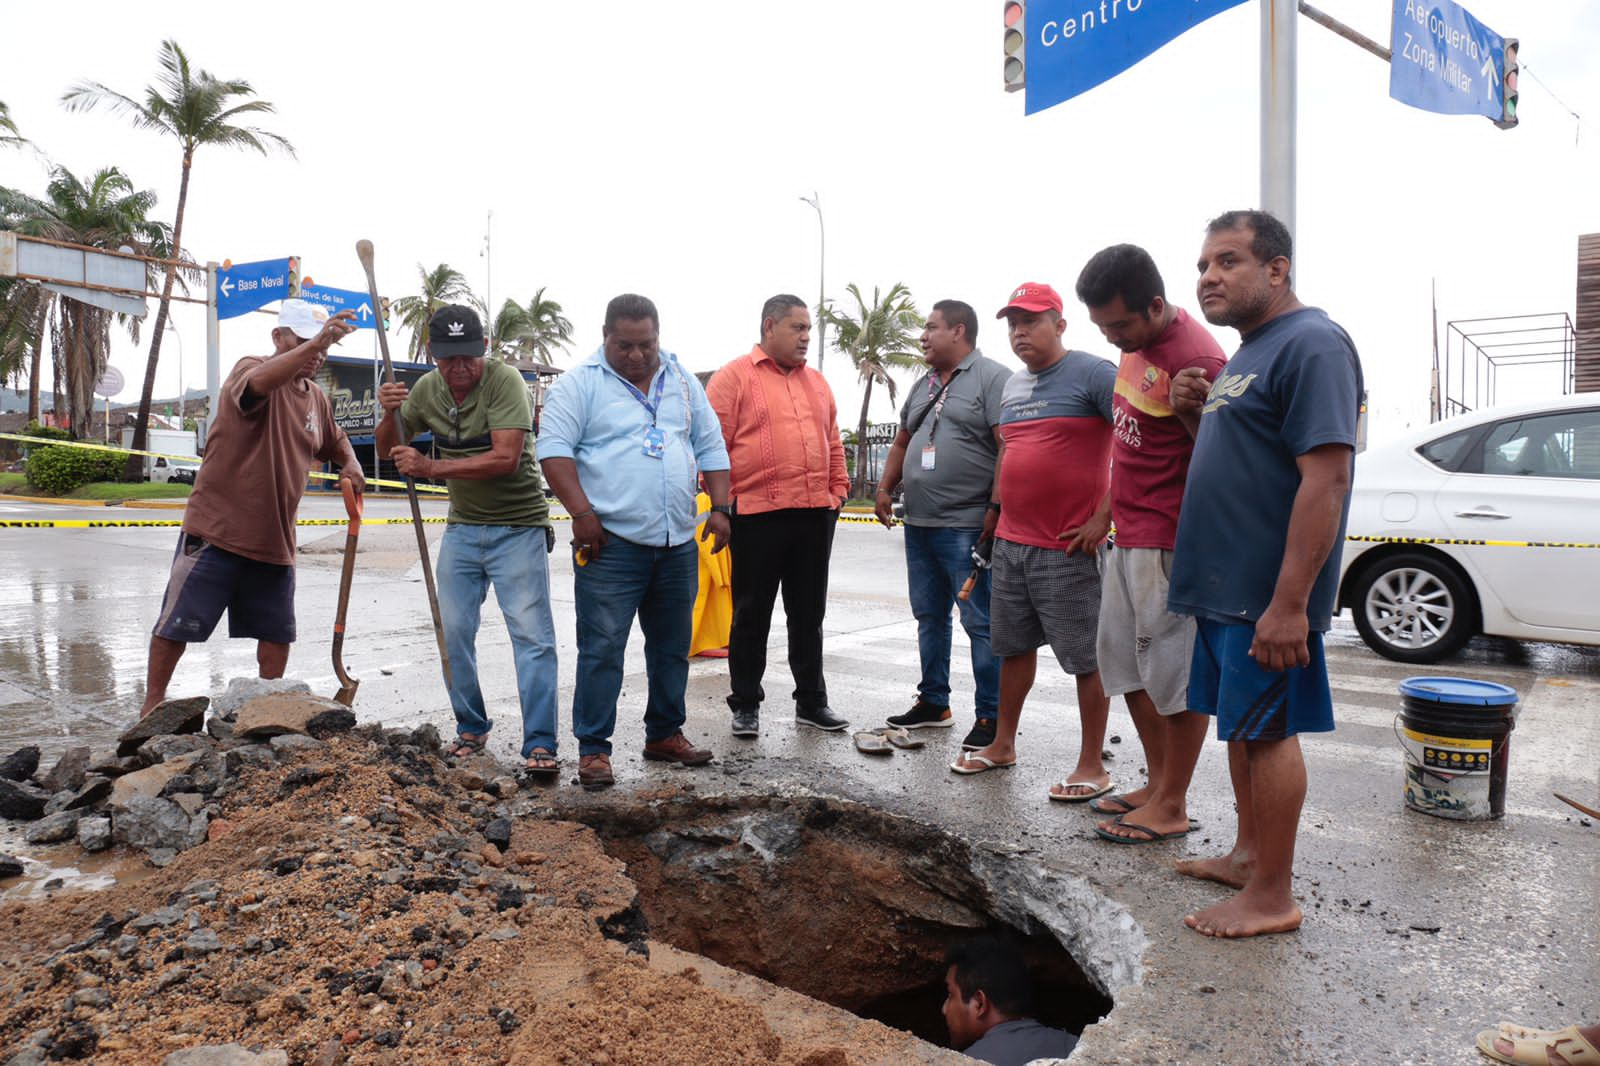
(302, 318)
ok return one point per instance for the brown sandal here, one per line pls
(541, 763)
(467, 745)
(594, 772)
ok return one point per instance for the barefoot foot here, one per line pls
(1232, 869)
(1244, 917)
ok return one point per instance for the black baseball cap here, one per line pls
(455, 330)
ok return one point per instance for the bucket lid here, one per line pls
(1458, 690)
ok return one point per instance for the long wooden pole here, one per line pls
(364, 252)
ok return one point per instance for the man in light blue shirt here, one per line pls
(623, 439)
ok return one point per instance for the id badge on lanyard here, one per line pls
(655, 439)
(655, 443)
(927, 457)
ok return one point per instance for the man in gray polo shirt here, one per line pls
(945, 454)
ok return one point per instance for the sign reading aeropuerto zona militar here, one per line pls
(1446, 61)
(1074, 45)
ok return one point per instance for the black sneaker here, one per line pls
(820, 718)
(923, 716)
(747, 723)
(982, 735)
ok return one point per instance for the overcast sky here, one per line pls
(662, 148)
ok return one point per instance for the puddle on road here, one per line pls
(68, 868)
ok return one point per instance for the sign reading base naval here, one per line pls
(1446, 61)
(1074, 45)
(243, 287)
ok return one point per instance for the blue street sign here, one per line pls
(336, 300)
(1074, 45)
(1445, 60)
(243, 287)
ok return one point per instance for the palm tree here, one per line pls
(197, 109)
(882, 337)
(440, 286)
(9, 137)
(105, 212)
(535, 331)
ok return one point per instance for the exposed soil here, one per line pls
(349, 908)
(837, 901)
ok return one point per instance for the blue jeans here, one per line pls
(513, 559)
(938, 562)
(659, 585)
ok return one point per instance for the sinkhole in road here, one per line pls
(855, 907)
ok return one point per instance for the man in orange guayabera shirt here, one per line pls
(782, 432)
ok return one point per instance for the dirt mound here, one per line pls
(349, 908)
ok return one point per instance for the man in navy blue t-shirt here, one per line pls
(1257, 555)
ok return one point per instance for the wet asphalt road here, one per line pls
(1513, 901)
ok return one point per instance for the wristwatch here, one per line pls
(994, 505)
(723, 508)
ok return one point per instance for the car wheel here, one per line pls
(1414, 608)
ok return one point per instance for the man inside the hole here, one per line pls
(988, 1006)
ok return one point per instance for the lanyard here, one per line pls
(938, 402)
(653, 404)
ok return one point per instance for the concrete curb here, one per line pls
(174, 504)
(58, 500)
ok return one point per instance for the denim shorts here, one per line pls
(207, 580)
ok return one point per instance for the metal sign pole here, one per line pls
(1278, 76)
(213, 350)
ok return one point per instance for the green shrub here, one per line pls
(60, 470)
(34, 429)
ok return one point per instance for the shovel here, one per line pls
(347, 684)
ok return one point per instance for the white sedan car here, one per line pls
(1485, 523)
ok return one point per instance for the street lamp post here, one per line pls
(170, 328)
(815, 200)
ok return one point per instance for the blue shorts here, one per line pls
(206, 580)
(1248, 702)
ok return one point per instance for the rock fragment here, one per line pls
(173, 716)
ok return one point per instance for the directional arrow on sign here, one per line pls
(365, 311)
(226, 287)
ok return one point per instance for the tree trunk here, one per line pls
(33, 368)
(859, 490)
(134, 471)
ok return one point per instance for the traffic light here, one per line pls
(294, 275)
(1508, 87)
(383, 307)
(1014, 46)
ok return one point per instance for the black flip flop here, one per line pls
(1153, 837)
(1104, 805)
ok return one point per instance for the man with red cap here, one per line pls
(1055, 509)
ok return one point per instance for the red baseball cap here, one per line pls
(1032, 296)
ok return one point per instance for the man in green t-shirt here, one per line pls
(481, 419)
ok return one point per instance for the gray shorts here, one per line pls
(1041, 596)
(1142, 645)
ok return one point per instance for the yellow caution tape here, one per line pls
(100, 523)
(40, 442)
(1466, 542)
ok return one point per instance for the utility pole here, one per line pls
(488, 269)
(1279, 60)
(213, 351)
(815, 200)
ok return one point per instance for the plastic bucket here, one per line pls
(1456, 734)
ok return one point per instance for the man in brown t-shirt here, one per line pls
(236, 551)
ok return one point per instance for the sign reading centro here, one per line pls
(1074, 45)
